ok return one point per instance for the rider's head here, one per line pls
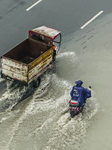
(78, 83)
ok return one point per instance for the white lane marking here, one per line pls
(33, 5)
(92, 19)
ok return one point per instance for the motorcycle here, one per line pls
(74, 105)
(74, 108)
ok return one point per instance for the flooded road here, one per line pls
(42, 121)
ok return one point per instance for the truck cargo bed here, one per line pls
(27, 61)
(27, 51)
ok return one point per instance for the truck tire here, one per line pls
(36, 83)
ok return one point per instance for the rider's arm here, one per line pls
(88, 93)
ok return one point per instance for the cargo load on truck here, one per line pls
(32, 57)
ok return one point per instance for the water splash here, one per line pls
(65, 133)
(49, 105)
(71, 55)
(15, 93)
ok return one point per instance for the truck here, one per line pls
(28, 60)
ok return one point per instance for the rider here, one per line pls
(54, 51)
(79, 93)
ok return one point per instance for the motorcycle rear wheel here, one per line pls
(72, 114)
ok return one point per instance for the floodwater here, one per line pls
(42, 121)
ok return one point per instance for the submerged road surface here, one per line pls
(42, 121)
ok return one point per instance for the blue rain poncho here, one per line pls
(79, 93)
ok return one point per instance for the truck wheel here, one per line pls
(36, 83)
(54, 55)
